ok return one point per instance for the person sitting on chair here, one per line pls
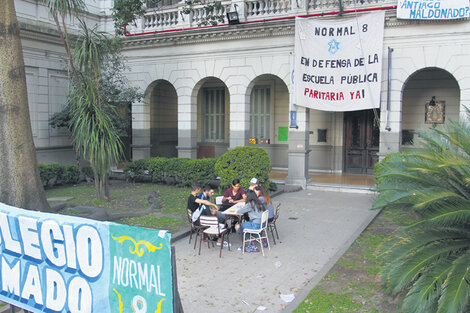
(233, 195)
(207, 207)
(255, 209)
(199, 204)
(264, 197)
(193, 205)
(253, 183)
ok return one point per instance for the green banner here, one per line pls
(140, 270)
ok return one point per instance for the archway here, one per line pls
(268, 97)
(420, 88)
(213, 117)
(163, 120)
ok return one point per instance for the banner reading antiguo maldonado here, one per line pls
(58, 263)
(338, 62)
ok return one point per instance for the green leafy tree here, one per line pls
(429, 261)
(213, 11)
(20, 184)
(125, 12)
(114, 89)
(93, 133)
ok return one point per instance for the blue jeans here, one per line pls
(249, 225)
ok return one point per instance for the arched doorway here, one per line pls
(163, 120)
(418, 91)
(269, 111)
(213, 117)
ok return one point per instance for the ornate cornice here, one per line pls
(213, 34)
(263, 29)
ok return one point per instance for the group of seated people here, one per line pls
(253, 202)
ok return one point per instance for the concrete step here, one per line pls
(341, 188)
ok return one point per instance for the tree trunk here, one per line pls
(20, 184)
(99, 193)
(106, 188)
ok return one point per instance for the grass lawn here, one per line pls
(131, 197)
(353, 284)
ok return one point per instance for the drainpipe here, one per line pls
(389, 83)
(340, 13)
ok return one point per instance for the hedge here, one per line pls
(180, 171)
(55, 174)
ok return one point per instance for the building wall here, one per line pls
(46, 73)
(238, 61)
(235, 63)
(417, 45)
(419, 89)
(240, 57)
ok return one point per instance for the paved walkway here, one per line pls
(315, 228)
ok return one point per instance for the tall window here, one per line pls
(260, 112)
(214, 114)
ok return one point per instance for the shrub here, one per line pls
(70, 174)
(188, 171)
(87, 171)
(136, 168)
(243, 163)
(50, 173)
(180, 171)
(53, 174)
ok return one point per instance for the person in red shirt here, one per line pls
(233, 195)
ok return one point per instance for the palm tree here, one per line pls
(429, 261)
(94, 135)
(60, 11)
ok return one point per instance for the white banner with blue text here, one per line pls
(338, 62)
(433, 9)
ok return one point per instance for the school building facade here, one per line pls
(210, 89)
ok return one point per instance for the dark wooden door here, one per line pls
(361, 141)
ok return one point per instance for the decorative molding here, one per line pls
(246, 31)
(213, 34)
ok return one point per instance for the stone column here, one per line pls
(140, 130)
(297, 174)
(239, 120)
(187, 127)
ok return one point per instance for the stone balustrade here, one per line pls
(183, 15)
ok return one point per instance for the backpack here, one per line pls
(197, 213)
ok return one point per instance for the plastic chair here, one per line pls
(218, 200)
(213, 229)
(193, 228)
(272, 225)
(257, 234)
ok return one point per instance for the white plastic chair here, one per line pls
(218, 200)
(257, 234)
